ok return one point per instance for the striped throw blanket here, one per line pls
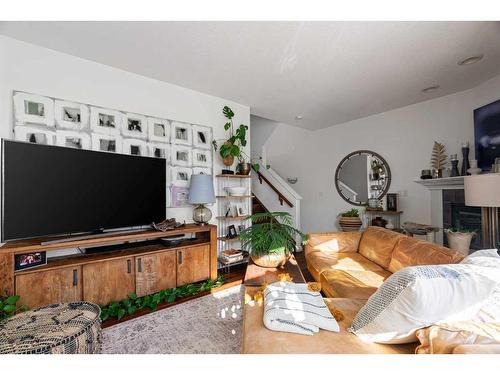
(291, 307)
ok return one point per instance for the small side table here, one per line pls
(428, 231)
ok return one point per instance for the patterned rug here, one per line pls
(209, 324)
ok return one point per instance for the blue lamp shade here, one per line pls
(201, 189)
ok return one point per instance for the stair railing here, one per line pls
(281, 197)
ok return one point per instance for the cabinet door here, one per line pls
(107, 281)
(155, 272)
(52, 286)
(193, 264)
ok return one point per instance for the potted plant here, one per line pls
(350, 221)
(232, 147)
(271, 238)
(460, 239)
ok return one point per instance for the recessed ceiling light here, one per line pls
(298, 117)
(470, 60)
(430, 89)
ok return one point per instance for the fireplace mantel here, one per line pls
(443, 183)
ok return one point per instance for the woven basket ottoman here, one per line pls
(66, 328)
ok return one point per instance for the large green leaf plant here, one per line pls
(271, 233)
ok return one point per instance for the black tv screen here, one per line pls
(487, 134)
(51, 190)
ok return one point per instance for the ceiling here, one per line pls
(327, 72)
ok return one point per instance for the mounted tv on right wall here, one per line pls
(487, 134)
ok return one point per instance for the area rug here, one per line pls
(210, 324)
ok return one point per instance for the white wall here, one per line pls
(26, 67)
(404, 137)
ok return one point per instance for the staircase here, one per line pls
(257, 206)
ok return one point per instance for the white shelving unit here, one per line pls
(224, 219)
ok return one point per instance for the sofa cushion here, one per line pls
(257, 339)
(352, 283)
(420, 296)
(410, 251)
(377, 244)
(338, 242)
(318, 262)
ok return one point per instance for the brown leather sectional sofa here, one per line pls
(350, 267)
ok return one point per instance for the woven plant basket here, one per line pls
(350, 224)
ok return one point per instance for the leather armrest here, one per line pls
(333, 242)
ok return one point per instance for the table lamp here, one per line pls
(483, 190)
(201, 192)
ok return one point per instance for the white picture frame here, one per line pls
(99, 117)
(155, 133)
(34, 135)
(135, 125)
(181, 133)
(33, 109)
(241, 209)
(136, 147)
(181, 156)
(200, 170)
(98, 141)
(66, 115)
(159, 150)
(180, 176)
(202, 158)
(202, 137)
(73, 139)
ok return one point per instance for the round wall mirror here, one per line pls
(362, 175)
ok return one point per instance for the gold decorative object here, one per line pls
(314, 287)
(439, 159)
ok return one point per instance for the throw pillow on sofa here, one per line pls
(419, 296)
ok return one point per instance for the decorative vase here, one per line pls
(373, 203)
(465, 161)
(454, 166)
(473, 167)
(350, 224)
(243, 168)
(460, 241)
(379, 222)
(270, 260)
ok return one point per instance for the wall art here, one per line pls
(202, 158)
(108, 143)
(33, 109)
(180, 176)
(158, 130)
(73, 139)
(135, 147)
(72, 116)
(202, 137)
(200, 170)
(181, 156)
(181, 133)
(179, 196)
(134, 125)
(159, 150)
(105, 121)
(34, 135)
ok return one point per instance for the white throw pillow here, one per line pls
(417, 297)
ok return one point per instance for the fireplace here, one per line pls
(457, 215)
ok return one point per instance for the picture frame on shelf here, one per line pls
(181, 133)
(158, 130)
(180, 176)
(202, 137)
(159, 150)
(181, 156)
(34, 135)
(106, 143)
(105, 121)
(73, 139)
(70, 115)
(241, 209)
(179, 196)
(202, 158)
(33, 109)
(135, 126)
(231, 232)
(392, 200)
(136, 147)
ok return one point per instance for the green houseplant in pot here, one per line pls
(350, 221)
(232, 147)
(271, 238)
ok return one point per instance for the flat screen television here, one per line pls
(52, 190)
(487, 134)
